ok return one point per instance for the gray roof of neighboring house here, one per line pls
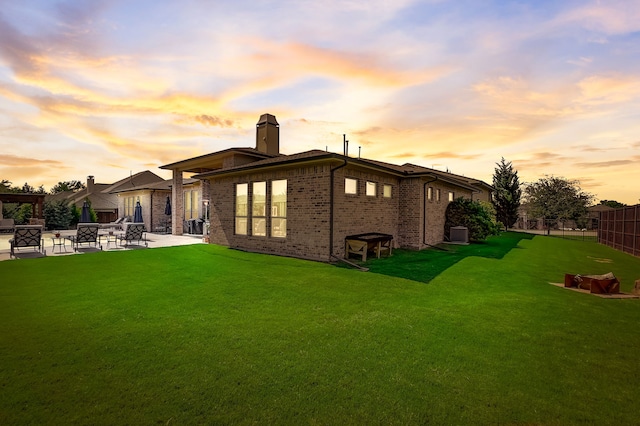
(164, 185)
(139, 179)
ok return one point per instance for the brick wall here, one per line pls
(308, 210)
(307, 213)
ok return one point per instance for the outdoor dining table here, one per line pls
(360, 244)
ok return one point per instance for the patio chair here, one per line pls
(27, 236)
(86, 233)
(134, 232)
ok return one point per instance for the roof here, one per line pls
(164, 185)
(214, 160)
(405, 170)
(141, 178)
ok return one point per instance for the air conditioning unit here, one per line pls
(459, 234)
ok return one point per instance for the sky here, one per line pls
(113, 87)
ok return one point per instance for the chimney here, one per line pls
(90, 183)
(268, 135)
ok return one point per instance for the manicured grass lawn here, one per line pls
(206, 335)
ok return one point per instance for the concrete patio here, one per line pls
(154, 241)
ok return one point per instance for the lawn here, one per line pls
(207, 335)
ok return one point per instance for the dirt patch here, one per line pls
(600, 260)
(604, 296)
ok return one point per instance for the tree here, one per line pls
(5, 186)
(477, 217)
(67, 185)
(555, 198)
(506, 199)
(57, 214)
(612, 203)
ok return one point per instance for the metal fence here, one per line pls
(620, 229)
(567, 234)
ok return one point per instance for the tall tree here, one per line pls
(506, 199)
(555, 198)
(67, 185)
(612, 203)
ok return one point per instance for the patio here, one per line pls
(154, 240)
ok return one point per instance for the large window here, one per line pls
(191, 206)
(350, 186)
(279, 208)
(259, 209)
(242, 194)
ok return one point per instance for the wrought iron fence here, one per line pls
(553, 228)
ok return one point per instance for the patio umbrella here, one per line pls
(137, 213)
(85, 216)
(167, 207)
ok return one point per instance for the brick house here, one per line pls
(305, 204)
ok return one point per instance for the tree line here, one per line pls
(58, 214)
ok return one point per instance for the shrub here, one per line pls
(57, 214)
(477, 217)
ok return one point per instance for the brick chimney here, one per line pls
(90, 183)
(268, 135)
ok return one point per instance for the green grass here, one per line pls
(207, 335)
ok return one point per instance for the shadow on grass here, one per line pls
(425, 265)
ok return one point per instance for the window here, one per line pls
(451, 196)
(350, 186)
(129, 205)
(386, 191)
(259, 209)
(437, 195)
(430, 193)
(242, 192)
(371, 189)
(191, 206)
(279, 208)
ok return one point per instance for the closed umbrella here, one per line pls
(137, 213)
(85, 216)
(167, 207)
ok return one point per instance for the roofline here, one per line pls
(330, 156)
(240, 150)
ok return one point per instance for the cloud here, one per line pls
(15, 160)
(612, 17)
(610, 163)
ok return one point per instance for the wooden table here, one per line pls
(360, 244)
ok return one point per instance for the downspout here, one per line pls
(151, 215)
(331, 197)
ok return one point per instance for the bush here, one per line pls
(57, 215)
(478, 218)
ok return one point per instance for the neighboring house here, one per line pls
(147, 188)
(105, 205)
(305, 204)
(153, 200)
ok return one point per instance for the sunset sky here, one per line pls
(114, 87)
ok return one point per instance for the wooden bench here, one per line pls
(361, 244)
